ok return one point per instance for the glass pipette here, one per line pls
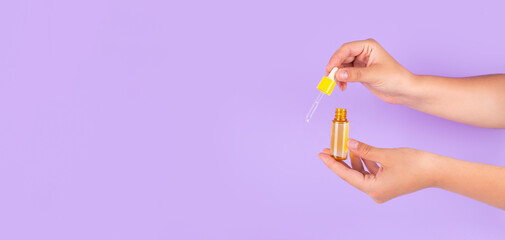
(326, 86)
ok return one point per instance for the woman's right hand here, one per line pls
(450, 98)
(367, 62)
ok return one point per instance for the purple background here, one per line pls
(185, 119)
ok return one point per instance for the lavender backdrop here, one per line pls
(184, 119)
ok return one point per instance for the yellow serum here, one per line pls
(339, 134)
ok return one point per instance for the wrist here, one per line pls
(413, 91)
(438, 169)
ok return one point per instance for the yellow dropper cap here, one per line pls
(326, 86)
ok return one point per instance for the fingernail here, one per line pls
(351, 143)
(343, 75)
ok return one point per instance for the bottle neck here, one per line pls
(340, 115)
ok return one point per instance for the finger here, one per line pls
(348, 61)
(365, 151)
(344, 86)
(349, 175)
(328, 151)
(372, 167)
(329, 154)
(341, 86)
(355, 74)
(347, 52)
(356, 163)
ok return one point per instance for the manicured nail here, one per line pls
(353, 144)
(343, 75)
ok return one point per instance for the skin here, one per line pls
(393, 172)
(451, 98)
(398, 171)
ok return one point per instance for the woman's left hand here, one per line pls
(401, 170)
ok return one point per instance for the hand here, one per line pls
(367, 62)
(401, 170)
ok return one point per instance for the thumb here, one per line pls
(354, 74)
(365, 151)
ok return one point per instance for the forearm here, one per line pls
(478, 101)
(482, 182)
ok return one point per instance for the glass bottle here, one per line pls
(339, 134)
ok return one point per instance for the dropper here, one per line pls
(326, 86)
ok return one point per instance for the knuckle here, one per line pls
(346, 46)
(371, 40)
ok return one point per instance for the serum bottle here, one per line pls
(339, 134)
